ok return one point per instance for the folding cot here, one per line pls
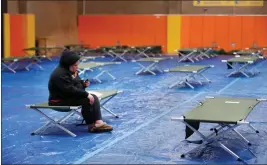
(14, 63)
(187, 54)
(88, 58)
(40, 49)
(103, 95)
(259, 51)
(106, 50)
(156, 50)
(81, 49)
(147, 51)
(243, 62)
(227, 112)
(90, 66)
(192, 72)
(152, 64)
(246, 53)
(141, 50)
(206, 52)
(119, 52)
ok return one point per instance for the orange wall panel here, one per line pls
(185, 31)
(248, 31)
(208, 30)
(235, 33)
(261, 30)
(222, 32)
(17, 35)
(196, 31)
(128, 29)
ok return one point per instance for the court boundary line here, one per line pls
(91, 154)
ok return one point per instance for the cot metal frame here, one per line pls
(15, 63)
(190, 75)
(119, 56)
(243, 67)
(190, 55)
(70, 111)
(142, 51)
(149, 66)
(100, 69)
(217, 132)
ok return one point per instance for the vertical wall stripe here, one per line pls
(173, 33)
(30, 32)
(6, 36)
(17, 35)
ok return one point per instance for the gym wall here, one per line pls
(58, 21)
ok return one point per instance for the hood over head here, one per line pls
(68, 58)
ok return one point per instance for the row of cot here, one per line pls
(206, 112)
(240, 64)
(213, 110)
(36, 54)
(116, 52)
(246, 65)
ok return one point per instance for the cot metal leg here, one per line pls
(108, 53)
(254, 71)
(184, 80)
(56, 123)
(187, 83)
(115, 115)
(242, 137)
(204, 54)
(212, 138)
(229, 151)
(176, 83)
(158, 69)
(149, 69)
(204, 77)
(239, 70)
(111, 112)
(142, 53)
(5, 66)
(257, 131)
(119, 56)
(101, 73)
(193, 77)
(146, 69)
(34, 63)
(49, 123)
(141, 70)
(114, 78)
(186, 57)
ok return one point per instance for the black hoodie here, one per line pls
(61, 84)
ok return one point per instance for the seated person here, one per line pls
(67, 89)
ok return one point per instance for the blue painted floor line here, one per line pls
(228, 85)
(89, 155)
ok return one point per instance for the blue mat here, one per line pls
(143, 134)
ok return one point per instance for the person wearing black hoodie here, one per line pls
(67, 89)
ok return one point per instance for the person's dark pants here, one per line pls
(90, 113)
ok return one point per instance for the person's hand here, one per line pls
(91, 98)
(86, 83)
(75, 75)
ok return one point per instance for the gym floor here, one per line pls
(144, 132)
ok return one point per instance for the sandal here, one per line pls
(97, 128)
